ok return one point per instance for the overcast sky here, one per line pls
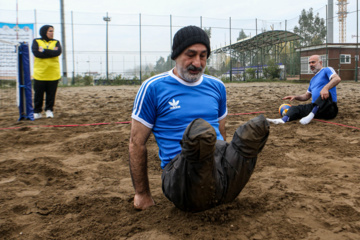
(264, 9)
(269, 10)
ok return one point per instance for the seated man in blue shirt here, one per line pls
(186, 111)
(322, 90)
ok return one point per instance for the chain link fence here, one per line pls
(139, 45)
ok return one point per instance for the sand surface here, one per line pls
(73, 182)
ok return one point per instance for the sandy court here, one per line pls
(73, 182)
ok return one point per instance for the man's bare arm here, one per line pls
(304, 97)
(334, 81)
(138, 165)
(222, 128)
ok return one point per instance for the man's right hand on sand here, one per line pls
(143, 201)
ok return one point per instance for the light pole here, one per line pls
(107, 19)
(357, 42)
(89, 66)
(63, 42)
(100, 67)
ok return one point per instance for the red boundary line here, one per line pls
(338, 124)
(246, 113)
(127, 122)
(71, 125)
(97, 124)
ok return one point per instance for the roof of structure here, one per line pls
(261, 40)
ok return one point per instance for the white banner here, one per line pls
(10, 35)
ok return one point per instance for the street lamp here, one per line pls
(107, 19)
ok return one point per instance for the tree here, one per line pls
(272, 70)
(250, 72)
(238, 55)
(208, 31)
(311, 28)
(242, 35)
(160, 65)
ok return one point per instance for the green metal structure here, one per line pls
(256, 51)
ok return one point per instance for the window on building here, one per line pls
(304, 65)
(345, 58)
(323, 59)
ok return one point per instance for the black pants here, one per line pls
(327, 109)
(41, 87)
(209, 172)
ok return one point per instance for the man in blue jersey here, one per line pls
(322, 90)
(186, 111)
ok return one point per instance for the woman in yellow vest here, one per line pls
(46, 70)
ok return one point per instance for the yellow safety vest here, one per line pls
(47, 69)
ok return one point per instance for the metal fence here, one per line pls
(135, 43)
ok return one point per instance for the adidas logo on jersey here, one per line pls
(174, 104)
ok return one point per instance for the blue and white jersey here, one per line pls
(167, 104)
(317, 83)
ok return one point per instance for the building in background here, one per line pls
(340, 56)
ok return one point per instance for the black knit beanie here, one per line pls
(188, 36)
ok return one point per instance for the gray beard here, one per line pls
(187, 77)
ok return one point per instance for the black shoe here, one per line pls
(198, 141)
(250, 138)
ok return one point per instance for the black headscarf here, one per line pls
(43, 31)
